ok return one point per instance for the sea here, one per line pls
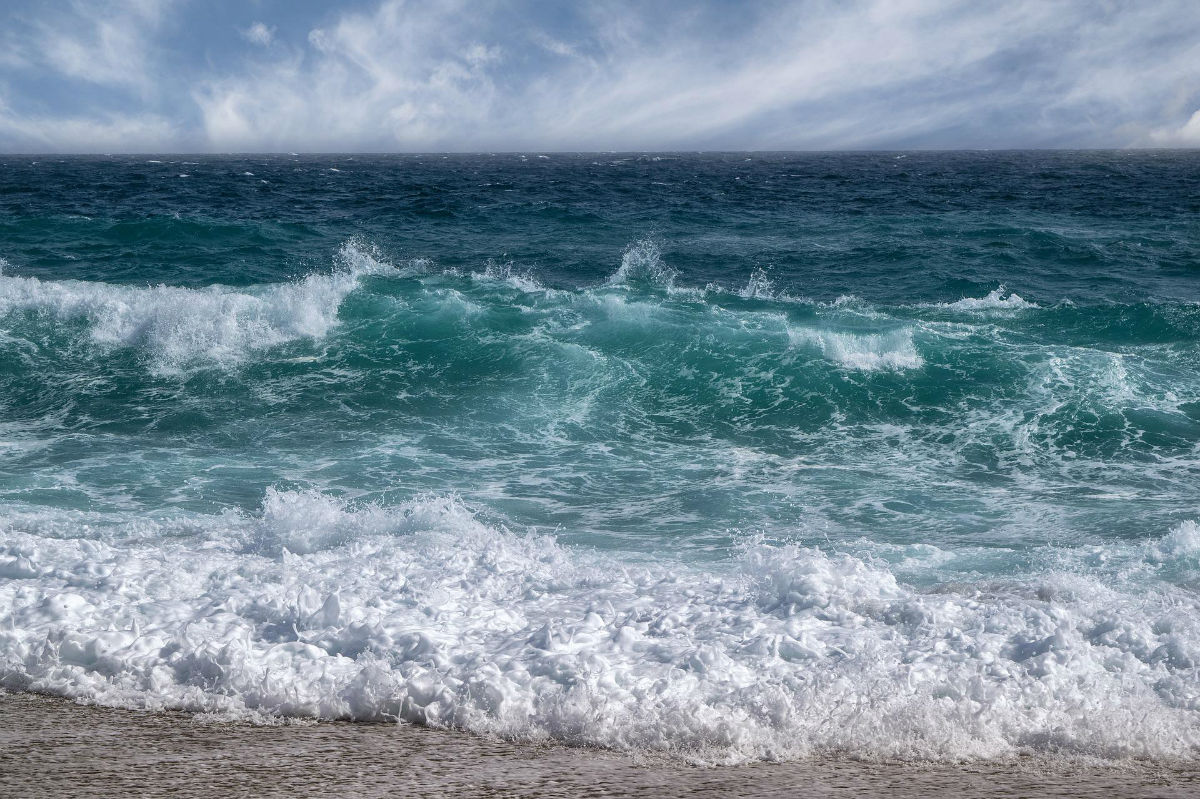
(728, 457)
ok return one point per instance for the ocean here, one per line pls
(724, 456)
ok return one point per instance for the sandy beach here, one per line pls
(56, 748)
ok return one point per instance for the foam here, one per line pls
(642, 265)
(316, 607)
(996, 300)
(178, 327)
(868, 352)
(505, 274)
(759, 286)
(1182, 542)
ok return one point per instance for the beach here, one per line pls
(53, 747)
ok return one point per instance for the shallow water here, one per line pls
(727, 457)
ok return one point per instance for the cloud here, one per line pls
(1186, 135)
(615, 74)
(259, 33)
(402, 76)
(80, 76)
(105, 133)
(100, 42)
(809, 75)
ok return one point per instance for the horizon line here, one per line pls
(202, 153)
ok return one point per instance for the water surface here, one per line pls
(731, 456)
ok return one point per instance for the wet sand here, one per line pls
(53, 747)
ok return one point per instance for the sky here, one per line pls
(486, 75)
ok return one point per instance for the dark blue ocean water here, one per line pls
(691, 452)
(1085, 226)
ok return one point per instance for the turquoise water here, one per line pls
(730, 455)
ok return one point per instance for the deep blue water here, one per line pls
(892, 408)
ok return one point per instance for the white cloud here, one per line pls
(822, 74)
(103, 133)
(259, 33)
(402, 76)
(616, 74)
(111, 44)
(1186, 135)
(552, 45)
(103, 42)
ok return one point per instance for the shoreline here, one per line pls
(55, 747)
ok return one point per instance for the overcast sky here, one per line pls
(403, 75)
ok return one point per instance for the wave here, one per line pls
(996, 300)
(868, 352)
(181, 327)
(508, 275)
(642, 265)
(175, 329)
(315, 607)
(759, 286)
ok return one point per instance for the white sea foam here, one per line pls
(642, 263)
(868, 352)
(1182, 542)
(317, 608)
(759, 286)
(505, 274)
(996, 300)
(181, 327)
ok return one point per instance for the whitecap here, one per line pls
(642, 263)
(524, 282)
(996, 300)
(891, 351)
(183, 327)
(759, 286)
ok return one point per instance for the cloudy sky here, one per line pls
(403, 75)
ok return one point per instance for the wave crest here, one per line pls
(183, 327)
(996, 300)
(642, 264)
(866, 352)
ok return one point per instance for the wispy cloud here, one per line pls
(108, 43)
(259, 33)
(1185, 135)
(79, 75)
(96, 133)
(527, 74)
(400, 76)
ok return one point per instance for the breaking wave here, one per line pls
(423, 612)
(996, 300)
(180, 327)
